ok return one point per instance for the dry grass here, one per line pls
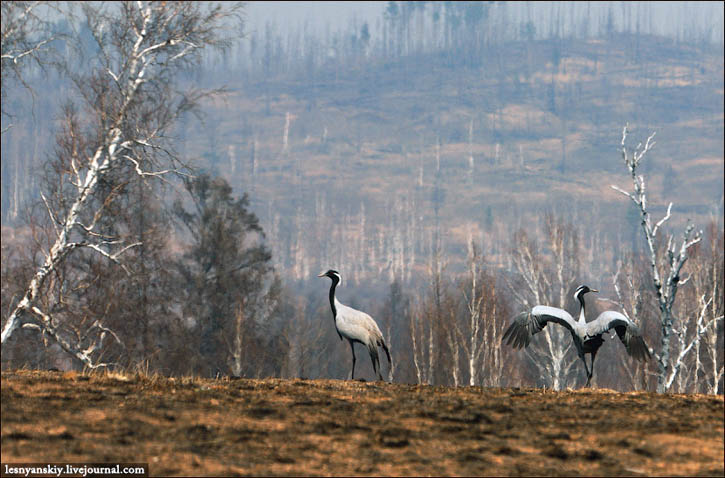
(193, 426)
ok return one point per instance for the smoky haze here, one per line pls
(672, 19)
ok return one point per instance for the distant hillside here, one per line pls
(375, 152)
(367, 161)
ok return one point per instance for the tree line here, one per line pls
(463, 34)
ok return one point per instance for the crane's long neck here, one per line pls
(335, 280)
(582, 312)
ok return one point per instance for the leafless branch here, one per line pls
(114, 257)
(47, 327)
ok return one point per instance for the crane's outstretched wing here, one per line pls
(529, 323)
(627, 331)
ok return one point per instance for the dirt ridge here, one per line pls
(193, 426)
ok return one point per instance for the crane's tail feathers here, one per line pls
(387, 352)
(382, 343)
(517, 335)
(373, 349)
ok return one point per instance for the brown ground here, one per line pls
(331, 427)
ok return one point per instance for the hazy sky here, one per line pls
(662, 17)
(290, 14)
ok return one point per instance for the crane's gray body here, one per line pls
(587, 336)
(356, 326)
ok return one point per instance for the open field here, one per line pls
(332, 427)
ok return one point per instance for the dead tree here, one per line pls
(130, 103)
(670, 267)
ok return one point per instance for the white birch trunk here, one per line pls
(414, 342)
(474, 314)
(238, 341)
(452, 339)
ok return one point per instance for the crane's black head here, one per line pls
(581, 290)
(332, 274)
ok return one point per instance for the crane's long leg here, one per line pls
(591, 371)
(581, 356)
(352, 349)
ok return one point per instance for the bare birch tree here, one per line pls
(130, 104)
(473, 330)
(482, 323)
(629, 286)
(544, 283)
(496, 360)
(415, 327)
(666, 271)
(454, 341)
(706, 302)
(552, 356)
(425, 322)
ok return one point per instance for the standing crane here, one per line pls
(356, 326)
(587, 336)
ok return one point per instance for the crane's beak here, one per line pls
(321, 274)
(593, 290)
